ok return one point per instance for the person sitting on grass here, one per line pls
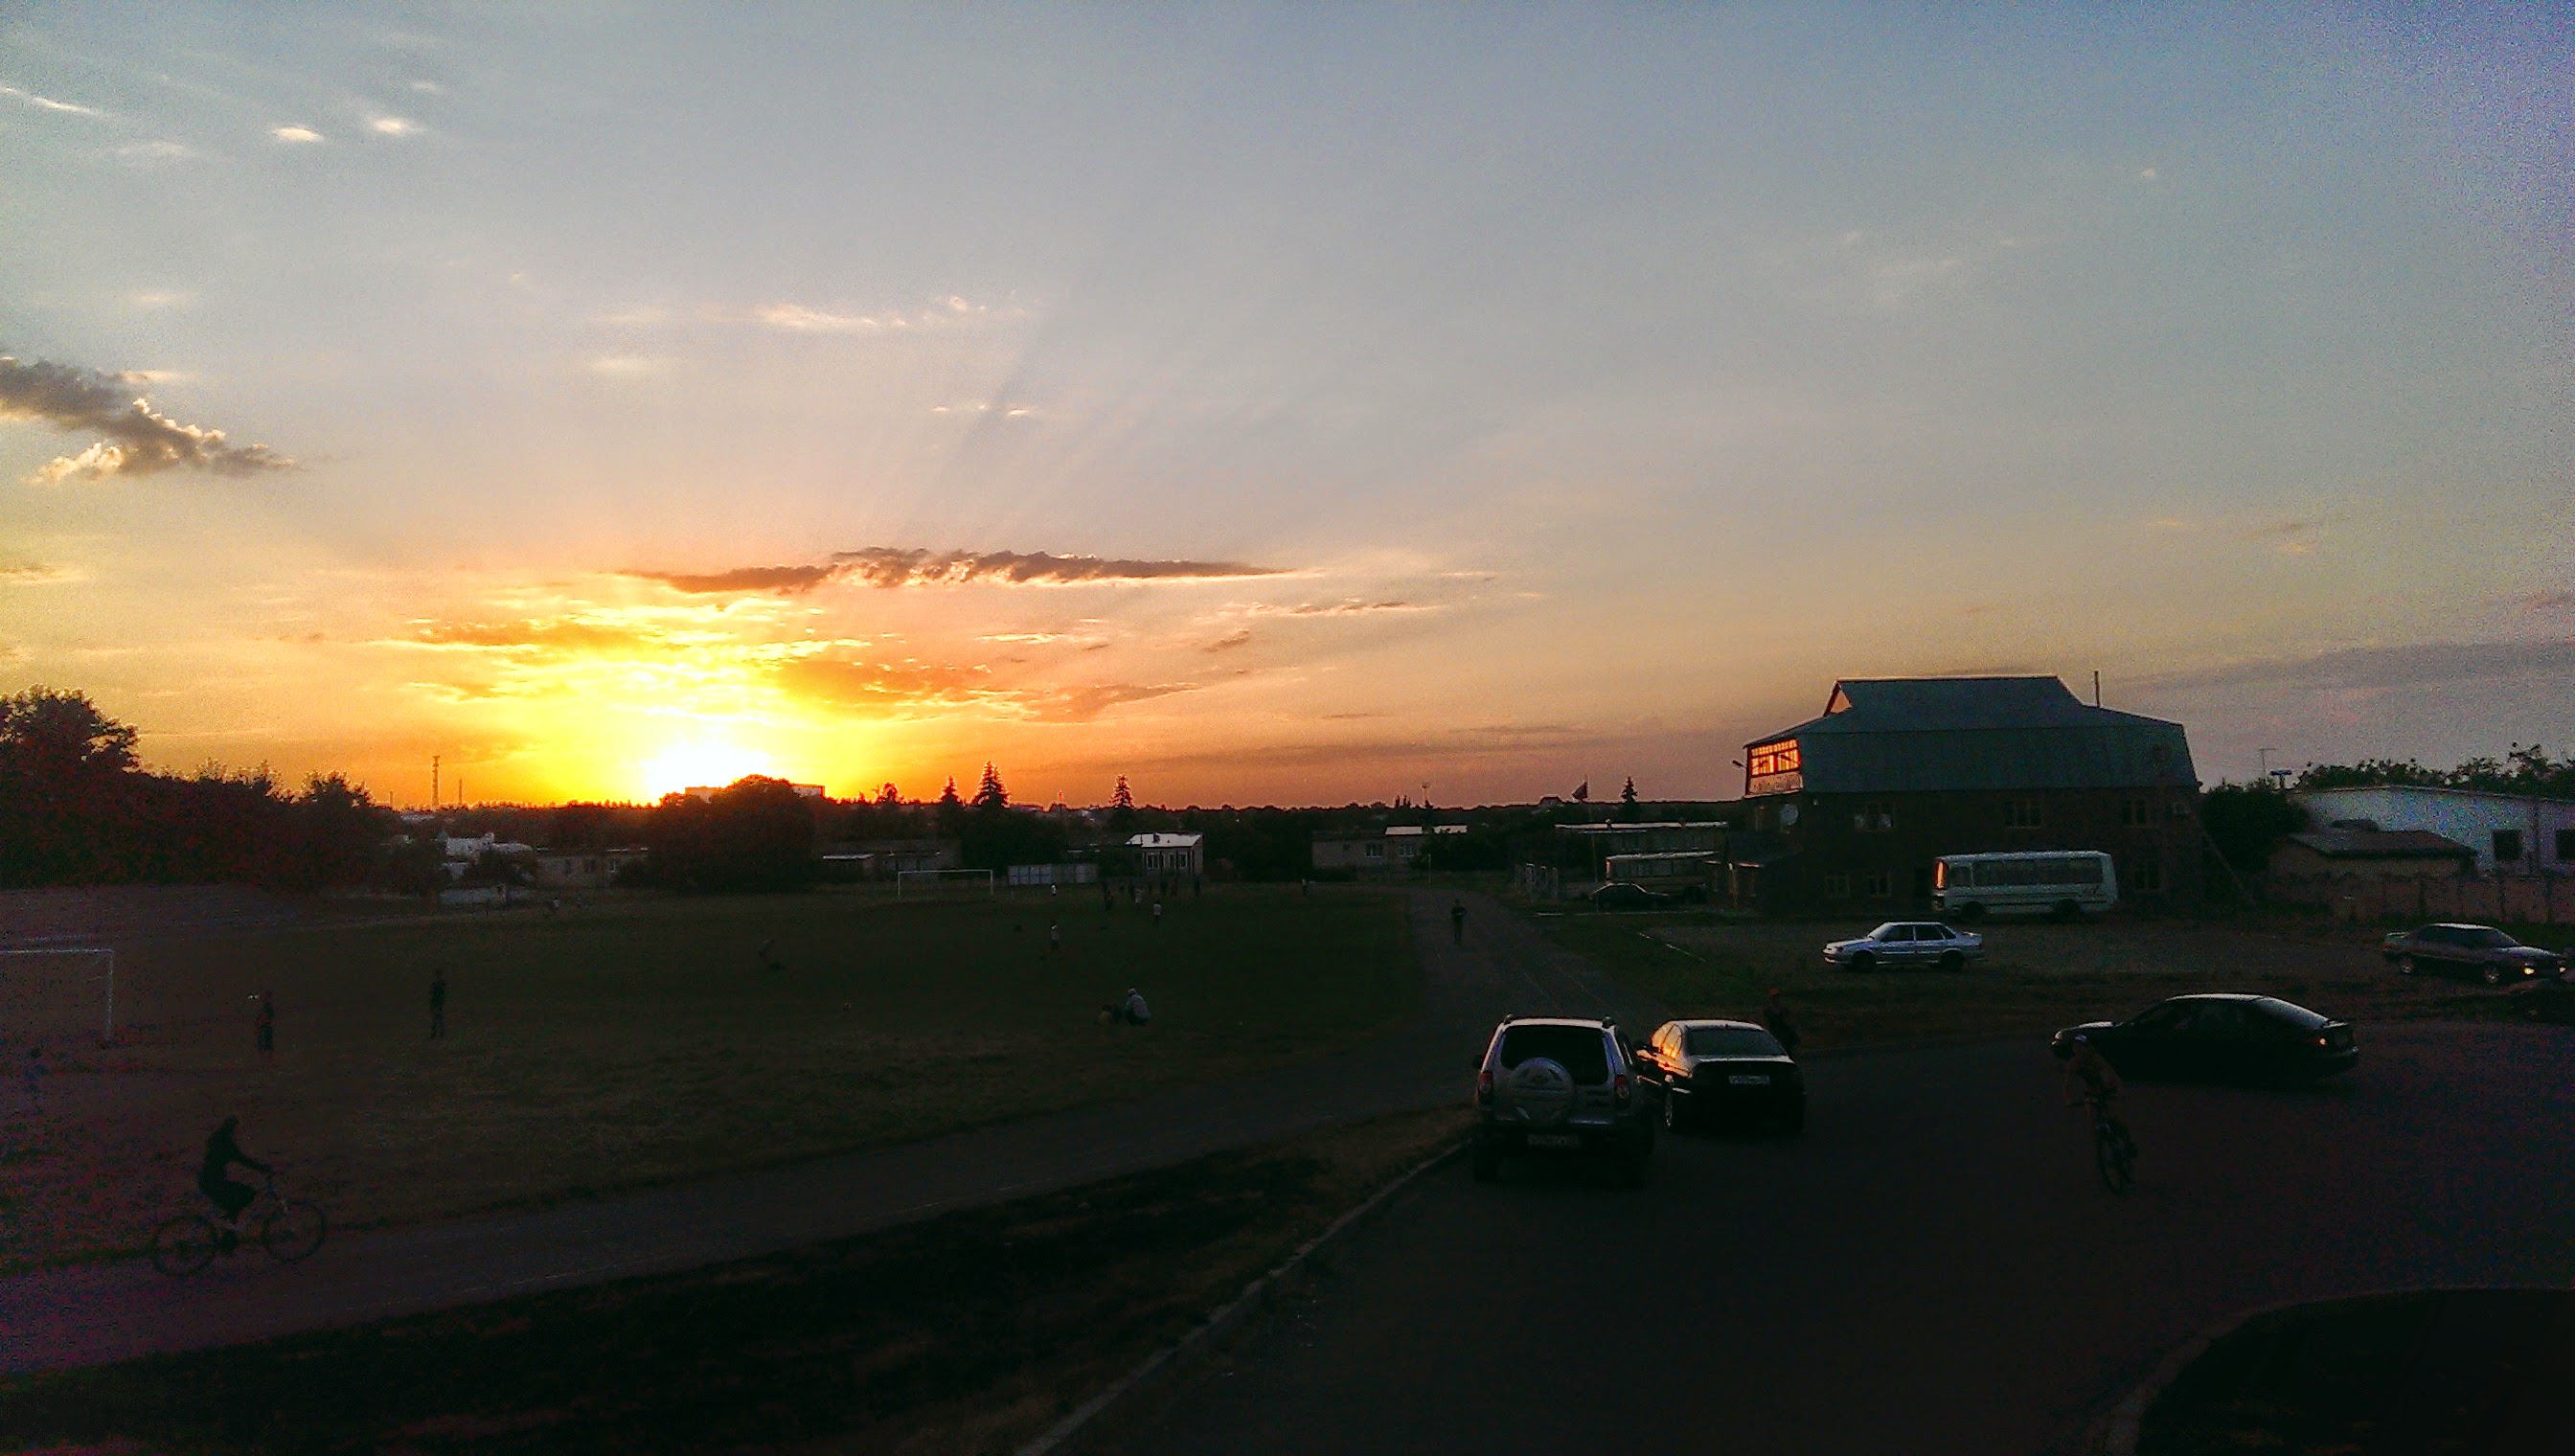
(230, 1199)
(1129, 1012)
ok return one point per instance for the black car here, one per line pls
(1706, 1072)
(1619, 894)
(2552, 999)
(2221, 1038)
(2479, 951)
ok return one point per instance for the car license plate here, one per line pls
(1748, 1081)
(1555, 1140)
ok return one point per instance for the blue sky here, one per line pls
(1488, 398)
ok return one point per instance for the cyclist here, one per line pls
(2090, 1081)
(221, 1152)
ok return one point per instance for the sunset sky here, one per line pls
(1275, 405)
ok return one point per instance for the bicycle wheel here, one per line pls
(183, 1245)
(292, 1234)
(2111, 1156)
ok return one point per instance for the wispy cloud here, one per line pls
(796, 318)
(628, 366)
(2550, 601)
(138, 440)
(47, 103)
(2409, 666)
(157, 151)
(2290, 536)
(161, 297)
(36, 574)
(1230, 642)
(296, 133)
(889, 568)
(393, 126)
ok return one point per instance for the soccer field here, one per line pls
(646, 1041)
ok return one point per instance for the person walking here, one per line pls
(1456, 922)
(266, 1024)
(438, 1004)
(1054, 937)
(1784, 1027)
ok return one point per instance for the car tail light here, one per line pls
(2324, 1041)
(1618, 1087)
(1485, 1087)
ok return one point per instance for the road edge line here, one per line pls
(1198, 1342)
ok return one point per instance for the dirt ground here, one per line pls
(645, 1043)
(2036, 978)
(971, 1332)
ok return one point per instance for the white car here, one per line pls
(1900, 943)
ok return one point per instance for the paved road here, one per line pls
(87, 1315)
(1933, 1268)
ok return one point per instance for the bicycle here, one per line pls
(2114, 1152)
(290, 1232)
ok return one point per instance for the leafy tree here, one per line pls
(2247, 821)
(51, 734)
(889, 796)
(756, 833)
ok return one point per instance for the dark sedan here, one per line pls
(1619, 894)
(2221, 1038)
(1711, 1070)
(2479, 951)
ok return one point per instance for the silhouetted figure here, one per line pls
(1784, 1027)
(1108, 901)
(1133, 1011)
(1456, 922)
(266, 1024)
(1054, 937)
(230, 1199)
(438, 1004)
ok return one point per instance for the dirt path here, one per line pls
(98, 1313)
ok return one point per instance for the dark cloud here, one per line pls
(892, 566)
(1230, 642)
(559, 635)
(1081, 705)
(884, 566)
(137, 441)
(785, 581)
(2422, 665)
(1350, 608)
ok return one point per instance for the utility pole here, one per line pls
(2097, 687)
(433, 781)
(2266, 763)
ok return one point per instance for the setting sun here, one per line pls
(685, 765)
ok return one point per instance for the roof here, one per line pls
(1914, 734)
(1166, 842)
(2381, 844)
(1718, 1021)
(2443, 790)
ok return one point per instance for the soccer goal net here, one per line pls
(57, 991)
(922, 884)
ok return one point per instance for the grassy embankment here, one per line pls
(967, 1333)
(644, 1043)
(2038, 976)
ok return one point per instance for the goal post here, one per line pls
(102, 961)
(910, 884)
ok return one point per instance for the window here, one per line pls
(1733, 1041)
(1579, 1050)
(2566, 846)
(1837, 886)
(2148, 878)
(1872, 818)
(2023, 813)
(2507, 845)
(1879, 884)
(2132, 813)
(1376, 851)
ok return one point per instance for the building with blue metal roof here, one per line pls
(1853, 808)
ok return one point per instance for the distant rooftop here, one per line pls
(1911, 734)
(2381, 844)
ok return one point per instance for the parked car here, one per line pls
(2479, 951)
(1908, 943)
(1704, 1071)
(2222, 1037)
(1549, 1085)
(1619, 894)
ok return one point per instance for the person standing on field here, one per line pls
(266, 1024)
(438, 1004)
(1054, 937)
(1784, 1027)
(1456, 922)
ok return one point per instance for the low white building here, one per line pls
(2508, 832)
(1170, 856)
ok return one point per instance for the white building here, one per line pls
(1174, 857)
(2514, 834)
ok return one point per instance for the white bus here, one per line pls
(2062, 883)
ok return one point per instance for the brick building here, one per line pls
(1850, 811)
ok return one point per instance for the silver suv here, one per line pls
(1553, 1085)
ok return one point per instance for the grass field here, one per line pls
(2037, 977)
(644, 1042)
(967, 1333)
